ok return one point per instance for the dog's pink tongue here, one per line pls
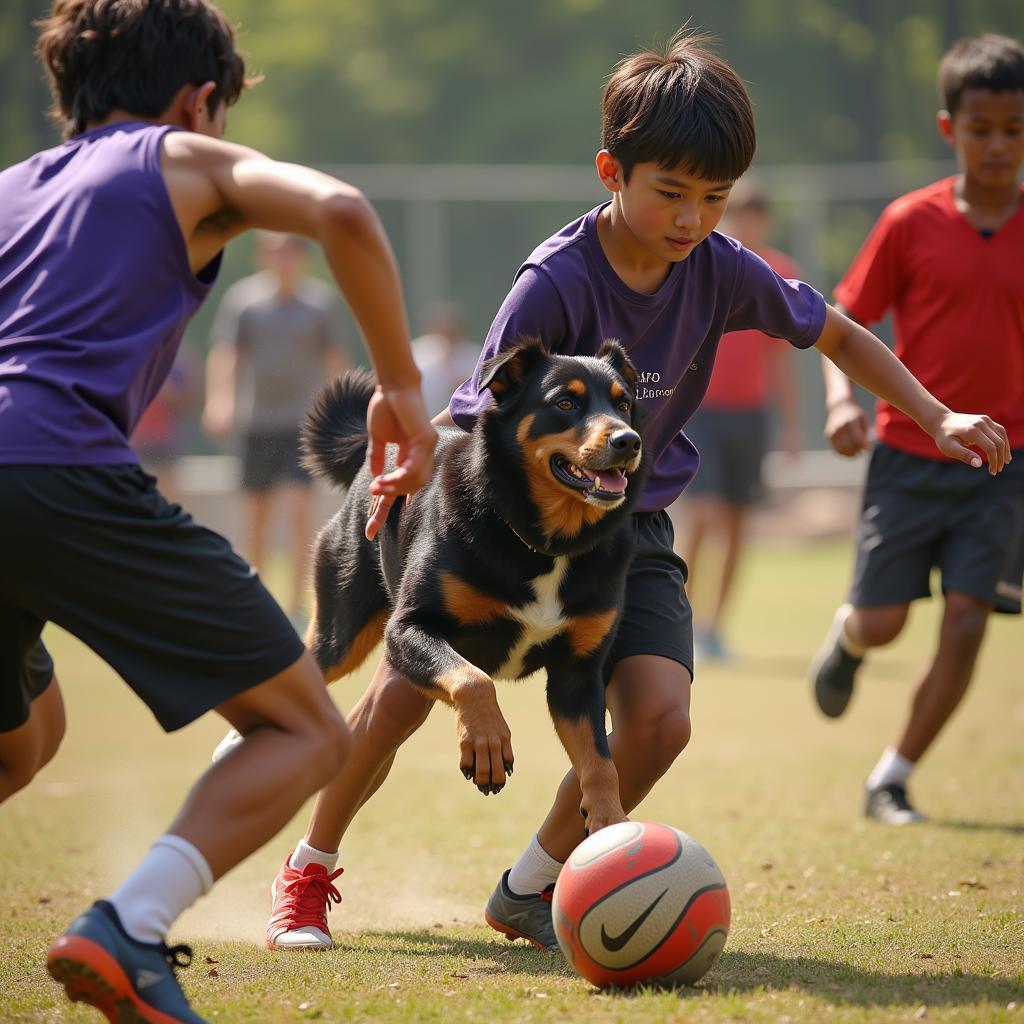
(612, 480)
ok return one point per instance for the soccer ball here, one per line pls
(641, 903)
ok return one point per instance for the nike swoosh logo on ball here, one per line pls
(613, 943)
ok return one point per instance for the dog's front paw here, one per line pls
(485, 741)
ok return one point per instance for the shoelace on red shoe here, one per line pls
(304, 899)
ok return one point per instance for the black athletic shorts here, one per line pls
(167, 603)
(919, 514)
(269, 459)
(657, 618)
(731, 443)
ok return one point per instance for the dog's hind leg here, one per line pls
(351, 606)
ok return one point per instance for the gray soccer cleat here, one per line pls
(522, 917)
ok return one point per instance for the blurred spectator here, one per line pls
(276, 337)
(444, 355)
(752, 373)
(158, 437)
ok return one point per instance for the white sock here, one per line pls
(305, 854)
(847, 642)
(535, 870)
(171, 877)
(892, 768)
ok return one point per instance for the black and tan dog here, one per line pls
(511, 560)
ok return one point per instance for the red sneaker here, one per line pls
(299, 904)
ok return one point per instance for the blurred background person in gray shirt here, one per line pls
(276, 337)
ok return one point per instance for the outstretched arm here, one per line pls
(863, 358)
(218, 190)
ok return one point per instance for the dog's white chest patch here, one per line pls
(541, 619)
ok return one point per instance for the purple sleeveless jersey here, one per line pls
(95, 293)
(568, 295)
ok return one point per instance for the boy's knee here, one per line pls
(674, 731)
(330, 747)
(661, 738)
(400, 707)
(875, 627)
(16, 775)
(965, 619)
(56, 728)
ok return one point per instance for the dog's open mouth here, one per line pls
(604, 484)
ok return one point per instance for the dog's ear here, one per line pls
(506, 371)
(613, 352)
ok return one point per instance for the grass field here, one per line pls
(834, 918)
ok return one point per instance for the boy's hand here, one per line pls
(956, 431)
(846, 428)
(399, 416)
(379, 509)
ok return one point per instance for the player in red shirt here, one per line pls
(753, 376)
(947, 261)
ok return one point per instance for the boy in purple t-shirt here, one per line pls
(108, 244)
(648, 268)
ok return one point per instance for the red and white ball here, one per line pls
(641, 903)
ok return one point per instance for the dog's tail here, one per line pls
(333, 435)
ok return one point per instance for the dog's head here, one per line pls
(573, 422)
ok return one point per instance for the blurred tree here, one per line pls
(24, 99)
(463, 80)
(442, 81)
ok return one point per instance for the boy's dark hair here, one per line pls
(679, 107)
(135, 55)
(990, 61)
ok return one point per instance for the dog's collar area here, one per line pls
(523, 540)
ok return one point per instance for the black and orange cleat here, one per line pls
(130, 982)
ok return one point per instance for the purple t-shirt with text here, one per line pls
(568, 295)
(95, 293)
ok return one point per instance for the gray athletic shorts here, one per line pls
(657, 618)
(919, 514)
(731, 443)
(164, 601)
(270, 459)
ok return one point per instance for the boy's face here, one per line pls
(668, 212)
(987, 135)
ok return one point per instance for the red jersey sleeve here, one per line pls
(876, 277)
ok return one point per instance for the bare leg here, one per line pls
(733, 520)
(299, 499)
(295, 742)
(390, 711)
(944, 683)
(876, 627)
(257, 516)
(699, 516)
(649, 699)
(23, 751)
